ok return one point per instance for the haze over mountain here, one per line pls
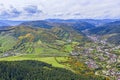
(3, 24)
(10, 22)
(95, 22)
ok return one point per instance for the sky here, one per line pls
(59, 9)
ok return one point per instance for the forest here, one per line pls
(36, 70)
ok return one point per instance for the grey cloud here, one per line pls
(32, 10)
(1, 4)
(77, 14)
(9, 13)
(58, 14)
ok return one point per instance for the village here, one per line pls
(100, 56)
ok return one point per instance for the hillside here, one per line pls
(36, 70)
(77, 25)
(59, 40)
(111, 30)
(39, 24)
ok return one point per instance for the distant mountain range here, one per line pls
(3, 25)
(78, 25)
(10, 22)
(61, 27)
(95, 22)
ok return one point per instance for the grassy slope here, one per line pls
(7, 40)
(41, 49)
(49, 60)
(43, 42)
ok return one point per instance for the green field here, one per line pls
(49, 60)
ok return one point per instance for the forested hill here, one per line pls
(57, 40)
(77, 25)
(36, 70)
(113, 27)
(111, 30)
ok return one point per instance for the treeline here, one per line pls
(35, 70)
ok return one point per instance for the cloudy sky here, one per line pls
(63, 9)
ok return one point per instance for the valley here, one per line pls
(75, 46)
